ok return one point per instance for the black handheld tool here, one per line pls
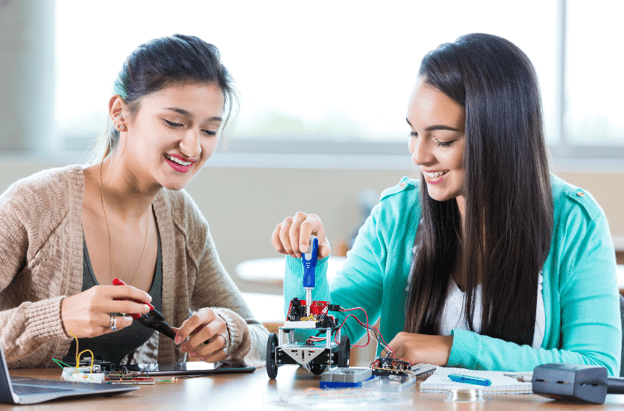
(575, 382)
(154, 319)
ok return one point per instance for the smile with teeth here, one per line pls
(434, 174)
(178, 161)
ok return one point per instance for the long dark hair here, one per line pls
(509, 213)
(163, 62)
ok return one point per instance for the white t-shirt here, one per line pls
(454, 312)
(454, 315)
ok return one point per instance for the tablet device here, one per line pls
(189, 368)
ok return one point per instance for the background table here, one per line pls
(267, 308)
(270, 271)
(256, 391)
(620, 276)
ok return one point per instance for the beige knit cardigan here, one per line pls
(41, 262)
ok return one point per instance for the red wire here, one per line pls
(366, 326)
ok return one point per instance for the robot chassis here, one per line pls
(317, 353)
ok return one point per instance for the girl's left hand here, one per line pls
(207, 336)
(421, 348)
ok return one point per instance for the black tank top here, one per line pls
(115, 346)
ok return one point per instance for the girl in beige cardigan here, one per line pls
(136, 221)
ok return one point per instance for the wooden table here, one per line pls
(256, 391)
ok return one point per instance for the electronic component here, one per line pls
(421, 371)
(94, 374)
(391, 366)
(319, 316)
(345, 377)
(318, 352)
(314, 315)
(128, 378)
(575, 382)
(85, 361)
(83, 374)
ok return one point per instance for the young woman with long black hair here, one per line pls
(489, 261)
(67, 232)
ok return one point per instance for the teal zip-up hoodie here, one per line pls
(580, 292)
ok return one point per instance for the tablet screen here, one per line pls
(189, 368)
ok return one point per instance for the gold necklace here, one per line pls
(111, 254)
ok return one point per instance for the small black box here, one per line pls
(571, 382)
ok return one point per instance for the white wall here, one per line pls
(243, 205)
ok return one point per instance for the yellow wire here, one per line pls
(92, 358)
(78, 354)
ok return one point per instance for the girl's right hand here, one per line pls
(292, 235)
(89, 313)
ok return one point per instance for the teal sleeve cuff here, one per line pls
(293, 281)
(465, 349)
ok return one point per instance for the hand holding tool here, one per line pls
(309, 266)
(154, 319)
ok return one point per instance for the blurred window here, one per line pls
(333, 73)
(594, 84)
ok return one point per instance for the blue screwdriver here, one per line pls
(309, 266)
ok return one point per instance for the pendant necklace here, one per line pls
(111, 254)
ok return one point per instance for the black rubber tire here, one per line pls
(271, 365)
(344, 352)
(316, 369)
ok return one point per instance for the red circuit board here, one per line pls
(317, 307)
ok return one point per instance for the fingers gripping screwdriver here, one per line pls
(309, 266)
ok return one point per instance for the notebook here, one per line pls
(501, 383)
(24, 390)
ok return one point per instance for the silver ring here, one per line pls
(113, 323)
(225, 338)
